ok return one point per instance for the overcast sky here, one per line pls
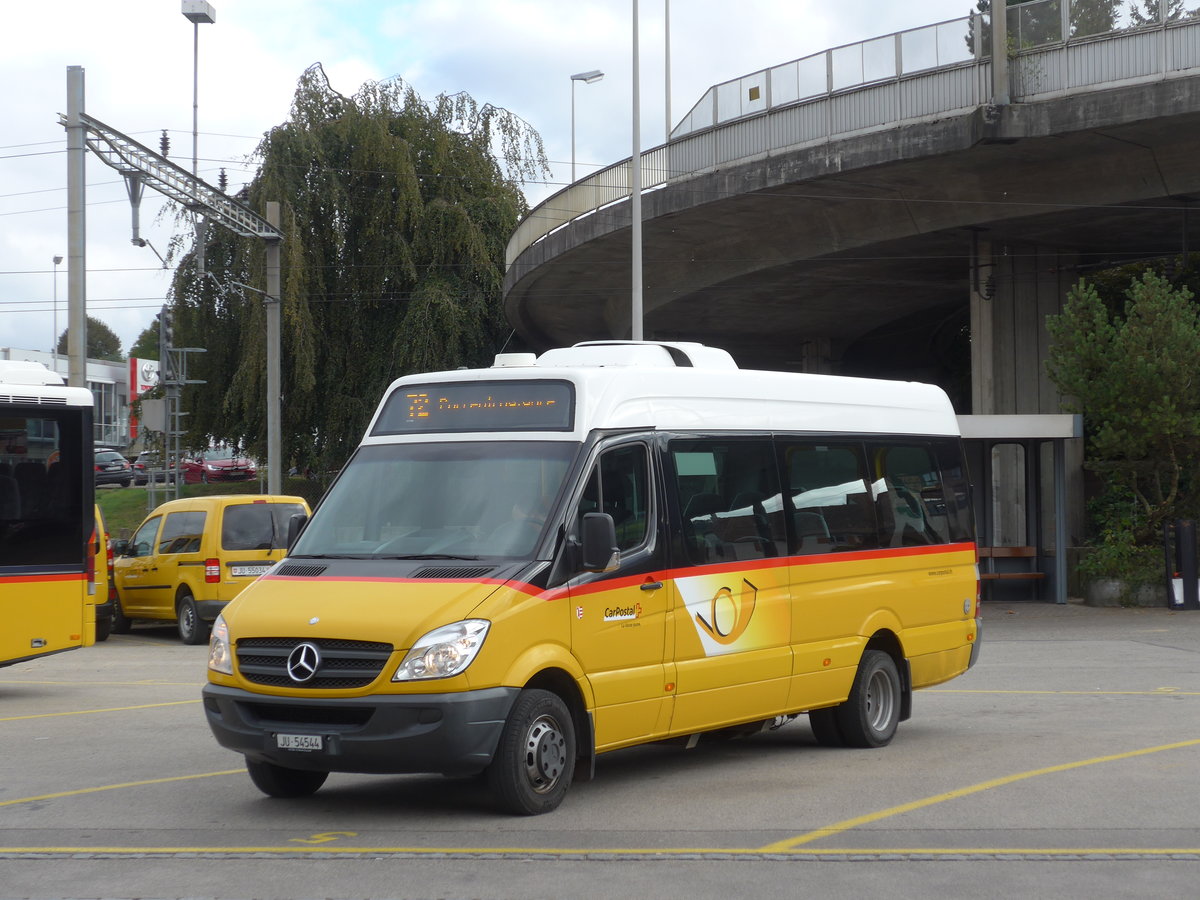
(517, 54)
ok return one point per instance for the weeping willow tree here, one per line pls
(395, 212)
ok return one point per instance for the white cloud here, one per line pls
(517, 54)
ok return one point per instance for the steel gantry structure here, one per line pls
(141, 167)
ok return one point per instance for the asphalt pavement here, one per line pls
(1063, 765)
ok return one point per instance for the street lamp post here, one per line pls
(587, 78)
(54, 336)
(198, 12)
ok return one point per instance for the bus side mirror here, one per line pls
(295, 526)
(599, 544)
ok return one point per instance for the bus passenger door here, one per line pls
(618, 619)
(731, 617)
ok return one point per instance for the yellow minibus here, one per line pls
(48, 566)
(524, 566)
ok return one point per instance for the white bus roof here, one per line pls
(689, 387)
(22, 381)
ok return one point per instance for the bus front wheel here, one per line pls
(535, 759)
(278, 781)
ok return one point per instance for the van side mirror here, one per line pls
(295, 525)
(121, 547)
(599, 543)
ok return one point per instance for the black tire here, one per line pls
(825, 727)
(871, 713)
(535, 759)
(192, 629)
(103, 629)
(278, 781)
(120, 624)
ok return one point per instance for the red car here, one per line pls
(218, 464)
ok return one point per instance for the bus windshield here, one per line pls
(460, 500)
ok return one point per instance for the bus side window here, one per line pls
(619, 485)
(729, 500)
(909, 496)
(830, 504)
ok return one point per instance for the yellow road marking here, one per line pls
(649, 853)
(89, 712)
(114, 787)
(847, 824)
(791, 847)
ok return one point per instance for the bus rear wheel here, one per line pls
(535, 759)
(279, 781)
(871, 713)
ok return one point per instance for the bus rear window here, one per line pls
(479, 406)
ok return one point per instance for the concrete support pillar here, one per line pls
(1014, 287)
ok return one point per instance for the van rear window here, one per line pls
(257, 526)
(539, 405)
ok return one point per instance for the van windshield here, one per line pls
(459, 500)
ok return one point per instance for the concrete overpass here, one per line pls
(818, 216)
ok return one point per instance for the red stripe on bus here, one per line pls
(42, 579)
(609, 584)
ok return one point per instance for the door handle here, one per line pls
(652, 585)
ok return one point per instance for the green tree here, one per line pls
(396, 213)
(146, 344)
(1133, 375)
(1039, 23)
(102, 342)
(1148, 12)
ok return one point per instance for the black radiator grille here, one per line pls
(344, 664)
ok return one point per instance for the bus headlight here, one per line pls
(443, 652)
(219, 657)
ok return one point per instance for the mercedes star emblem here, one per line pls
(303, 662)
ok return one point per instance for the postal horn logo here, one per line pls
(728, 614)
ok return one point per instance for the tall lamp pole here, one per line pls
(198, 12)
(54, 336)
(635, 190)
(587, 78)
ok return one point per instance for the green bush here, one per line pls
(1132, 373)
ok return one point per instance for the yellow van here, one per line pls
(524, 566)
(190, 557)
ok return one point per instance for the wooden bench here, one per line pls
(988, 572)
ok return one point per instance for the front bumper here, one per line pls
(451, 734)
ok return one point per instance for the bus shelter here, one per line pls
(1027, 485)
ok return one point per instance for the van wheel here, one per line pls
(120, 624)
(870, 715)
(535, 759)
(277, 781)
(192, 629)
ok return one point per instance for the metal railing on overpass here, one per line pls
(1056, 47)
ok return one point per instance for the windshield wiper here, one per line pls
(427, 556)
(333, 556)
